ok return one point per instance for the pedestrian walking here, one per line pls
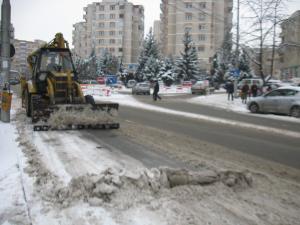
(230, 90)
(244, 93)
(254, 89)
(155, 91)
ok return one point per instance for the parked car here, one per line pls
(141, 88)
(131, 83)
(101, 80)
(200, 87)
(14, 77)
(14, 81)
(284, 100)
(118, 85)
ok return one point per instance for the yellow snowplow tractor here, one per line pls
(54, 99)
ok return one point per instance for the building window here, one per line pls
(202, 16)
(101, 41)
(120, 32)
(111, 49)
(101, 33)
(202, 27)
(112, 33)
(112, 7)
(101, 8)
(101, 25)
(188, 16)
(121, 16)
(188, 29)
(101, 16)
(120, 49)
(201, 48)
(112, 24)
(202, 37)
(112, 41)
(202, 5)
(121, 7)
(188, 5)
(112, 16)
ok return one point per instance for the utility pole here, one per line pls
(5, 60)
(237, 52)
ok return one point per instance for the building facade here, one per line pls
(290, 47)
(23, 49)
(157, 31)
(116, 26)
(266, 62)
(206, 20)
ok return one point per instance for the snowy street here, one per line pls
(164, 166)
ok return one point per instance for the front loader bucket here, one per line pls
(76, 116)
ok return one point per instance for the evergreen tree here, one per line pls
(187, 66)
(81, 67)
(148, 58)
(166, 72)
(92, 66)
(108, 63)
(244, 63)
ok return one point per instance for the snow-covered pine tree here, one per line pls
(151, 70)
(108, 63)
(166, 72)
(187, 66)
(93, 66)
(149, 50)
(81, 67)
(244, 63)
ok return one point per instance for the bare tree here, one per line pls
(262, 20)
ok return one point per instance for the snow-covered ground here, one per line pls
(49, 178)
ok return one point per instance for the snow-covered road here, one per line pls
(68, 179)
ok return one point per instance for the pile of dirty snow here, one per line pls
(86, 116)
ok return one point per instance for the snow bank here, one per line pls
(84, 116)
(13, 206)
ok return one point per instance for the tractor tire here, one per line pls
(90, 100)
(27, 102)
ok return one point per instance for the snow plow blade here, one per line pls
(75, 117)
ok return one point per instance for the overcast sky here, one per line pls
(41, 19)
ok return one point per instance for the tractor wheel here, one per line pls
(27, 103)
(90, 100)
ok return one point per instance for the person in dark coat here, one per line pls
(155, 91)
(254, 89)
(244, 94)
(230, 90)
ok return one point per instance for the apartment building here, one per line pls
(116, 26)
(23, 49)
(290, 47)
(206, 20)
(157, 31)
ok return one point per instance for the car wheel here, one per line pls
(254, 108)
(295, 111)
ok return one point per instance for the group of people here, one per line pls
(246, 91)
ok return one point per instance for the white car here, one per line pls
(284, 100)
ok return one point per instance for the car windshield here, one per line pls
(56, 61)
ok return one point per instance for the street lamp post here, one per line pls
(5, 60)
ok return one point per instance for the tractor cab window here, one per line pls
(56, 61)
